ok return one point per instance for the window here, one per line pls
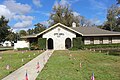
(101, 40)
(91, 40)
(110, 40)
(7, 44)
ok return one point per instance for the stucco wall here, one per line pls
(86, 41)
(7, 44)
(116, 40)
(59, 36)
(105, 40)
(21, 44)
(96, 41)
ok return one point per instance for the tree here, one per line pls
(118, 17)
(63, 14)
(30, 31)
(118, 1)
(12, 37)
(111, 17)
(22, 33)
(4, 28)
(39, 28)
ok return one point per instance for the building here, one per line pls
(6, 44)
(60, 37)
(21, 44)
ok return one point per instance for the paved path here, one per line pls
(30, 67)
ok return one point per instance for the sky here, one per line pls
(23, 14)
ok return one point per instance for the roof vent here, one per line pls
(73, 24)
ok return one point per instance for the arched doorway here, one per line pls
(68, 43)
(50, 43)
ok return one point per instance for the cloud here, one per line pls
(70, 2)
(23, 24)
(61, 2)
(23, 21)
(4, 11)
(18, 13)
(46, 23)
(45, 13)
(17, 30)
(65, 2)
(37, 3)
(56, 3)
(96, 21)
(98, 5)
(18, 8)
(23, 17)
(76, 14)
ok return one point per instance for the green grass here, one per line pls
(14, 59)
(62, 67)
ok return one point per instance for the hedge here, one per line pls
(77, 43)
(20, 49)
(102, 46)
(34, 46)
(42, 43)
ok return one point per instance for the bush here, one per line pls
(42, 43)
(20, 49)
(34, 46)
(95, 46)
(77, 43)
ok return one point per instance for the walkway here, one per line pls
(30, 67)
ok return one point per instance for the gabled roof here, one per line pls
(94, 31)
(29, 36)
(58, 24)
(84, 31)
(50, 28)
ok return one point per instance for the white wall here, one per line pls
(96, 41)
(21, 44)
(105, 40)
(116, 40)
(7, 44)
(59, 40)
(86, 41)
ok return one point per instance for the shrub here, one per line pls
(20, 49)
(42, 43)
(77, 43)
(101, 46)
(34, 46)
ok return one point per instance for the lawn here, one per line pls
(14, 59)
(63, 66)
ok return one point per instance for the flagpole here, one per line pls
(26, 76)
(92, 77)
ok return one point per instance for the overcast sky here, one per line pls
(23, 14)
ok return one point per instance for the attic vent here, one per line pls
(73, 24)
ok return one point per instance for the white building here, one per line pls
(60, 37)
(7, 44)
(21, 44)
